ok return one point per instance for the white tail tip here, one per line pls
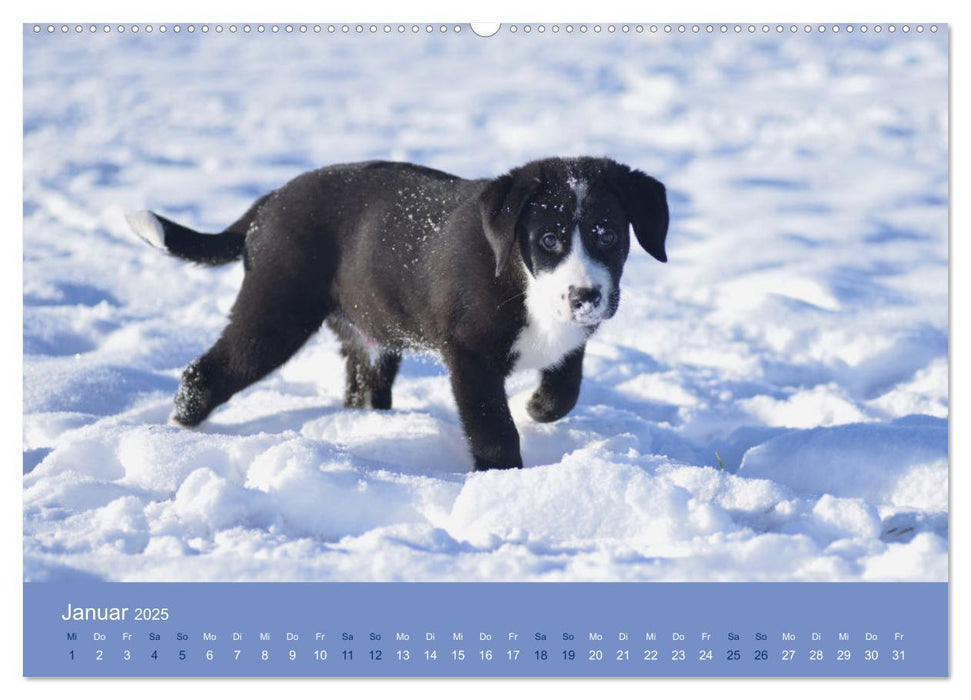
(147, 227)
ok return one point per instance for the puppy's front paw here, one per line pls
(544, 408)
(193, 400)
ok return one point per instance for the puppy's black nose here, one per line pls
(584, 295)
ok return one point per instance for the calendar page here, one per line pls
(535, 350)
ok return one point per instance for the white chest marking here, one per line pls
(545, 344)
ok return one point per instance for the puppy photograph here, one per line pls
(504, 274)
(598, 302)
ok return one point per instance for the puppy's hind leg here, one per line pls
(368, 383)
(265, 330)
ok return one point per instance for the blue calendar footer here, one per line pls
(485, 629)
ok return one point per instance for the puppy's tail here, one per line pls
(205, 248)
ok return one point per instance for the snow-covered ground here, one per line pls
(770, 405)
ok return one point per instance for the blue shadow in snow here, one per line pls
(72, 294)
(34, 457)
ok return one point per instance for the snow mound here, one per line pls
(586, 498)
(901, 464)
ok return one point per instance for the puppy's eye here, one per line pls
(549, 241)
(605, 237)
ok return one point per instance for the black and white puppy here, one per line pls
(494, 275)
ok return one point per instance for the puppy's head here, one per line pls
(569, 221)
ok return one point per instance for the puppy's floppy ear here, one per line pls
(646, 204)
(500, 205)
